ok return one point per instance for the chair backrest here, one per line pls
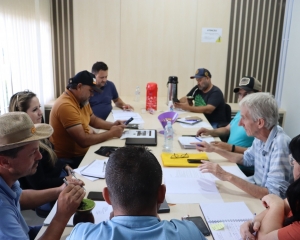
(228, 112)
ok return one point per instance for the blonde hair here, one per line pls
(19, 102)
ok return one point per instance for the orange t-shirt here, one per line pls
(65, 113)
(290, 232)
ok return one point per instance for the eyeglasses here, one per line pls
(291, 160)
(175, 155)
(25, 92)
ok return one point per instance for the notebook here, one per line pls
(95, 169)
(187, 121)
(232, 215)
(146, 137)
(182, 162)
(185, 142)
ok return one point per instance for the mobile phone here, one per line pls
(128, 121)
(106, 150)
(198, 221)
(96, 196)
(164, 207)
(194, 160)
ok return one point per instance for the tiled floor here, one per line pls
(31, 218)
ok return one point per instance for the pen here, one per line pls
(254, 215)
(104, 166)
(198, 139)
(73, 174)
(65, 181)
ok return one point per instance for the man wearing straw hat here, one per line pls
(19, 157)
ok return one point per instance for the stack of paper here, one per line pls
(95, 169)
(101, 213)
(125, 115)
(186, 141)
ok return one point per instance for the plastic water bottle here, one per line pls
(171, 106)
(137, 94)
(168, 147)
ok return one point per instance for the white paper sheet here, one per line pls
(78, 170)
(186, 141)
(125, 115)
(95, 169)
(101, 213)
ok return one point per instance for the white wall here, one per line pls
(290, 93)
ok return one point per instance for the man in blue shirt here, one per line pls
(19, 157)
(238, 140)
(101, 102)
(134, 189)
(269, 153)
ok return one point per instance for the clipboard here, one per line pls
(147, 141)
(95, 169)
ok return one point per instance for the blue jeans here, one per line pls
(33, 231)
(73, 162)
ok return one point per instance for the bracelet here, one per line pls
(233, 148)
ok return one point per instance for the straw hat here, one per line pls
(17, 129)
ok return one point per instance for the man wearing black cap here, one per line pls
(208, 99)
(71, 117)
(238, 140)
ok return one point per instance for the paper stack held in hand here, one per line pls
(185, 142)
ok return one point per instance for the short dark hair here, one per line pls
(294, 147)
(133, 177)
(99, 66)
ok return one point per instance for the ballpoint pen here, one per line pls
(198, 139)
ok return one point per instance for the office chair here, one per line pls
(228, 120)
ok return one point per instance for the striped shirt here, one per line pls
(270, 159)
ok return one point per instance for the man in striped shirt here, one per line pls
(269, 153)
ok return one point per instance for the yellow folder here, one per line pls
(182, 162)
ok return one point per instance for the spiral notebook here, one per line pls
(232, 215)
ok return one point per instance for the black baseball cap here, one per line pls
(86, 78)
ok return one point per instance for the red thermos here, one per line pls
(151, 96)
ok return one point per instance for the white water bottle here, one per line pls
(171, 106)
(137, 94)
(168, 133)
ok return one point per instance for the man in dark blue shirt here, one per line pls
(208, 99)
(101, 102)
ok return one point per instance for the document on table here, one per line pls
(101, 213)
(95, 169)
(125, 115)
(232, 215)
(189, 185)
(185, 142)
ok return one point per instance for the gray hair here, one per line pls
(262, 105)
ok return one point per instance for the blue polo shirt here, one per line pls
(12, 223)
(136, 227)
(101, 102)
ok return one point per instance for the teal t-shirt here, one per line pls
(238, 135)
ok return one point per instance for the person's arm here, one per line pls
(273, 220)
(223, 131)
(120, 104)
(208, 109)
(250, 188)
(229, 147)
(67, 203)
(231, 157)
(84, 139)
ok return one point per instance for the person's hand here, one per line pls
(204, 147)
(68, 169)
(127, 107)
(272, 199)
(120, 123)
(73, 181)
(214, 169)
(116, 131)
(203, 131)
(69, 200)
(222, 145)
(248, 229)
(182, 105)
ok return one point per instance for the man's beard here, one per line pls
(82, 104)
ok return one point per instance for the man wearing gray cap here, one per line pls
(19, 157)
(238, 140)
(208, 99)
(71, 117)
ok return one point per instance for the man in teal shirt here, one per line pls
(238, 140)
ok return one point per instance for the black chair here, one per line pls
(228, 120)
